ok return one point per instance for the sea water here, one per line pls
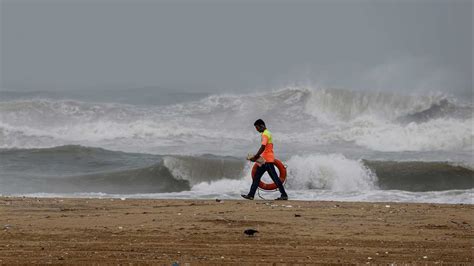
(337, 144)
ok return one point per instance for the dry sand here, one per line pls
(199, 232)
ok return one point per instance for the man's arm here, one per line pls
(254, 158)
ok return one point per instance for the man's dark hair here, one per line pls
(259, 122)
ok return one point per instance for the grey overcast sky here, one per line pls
(237, 45)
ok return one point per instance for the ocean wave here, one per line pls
(434, 135)
(372, 120)
(442, 109)
(421, 176)
(346, 105)
(298, 102)
(329, 171)
(71, 169)
(197, 169)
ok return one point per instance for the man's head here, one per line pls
(259, 125)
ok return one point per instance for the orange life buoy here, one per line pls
(271, 186)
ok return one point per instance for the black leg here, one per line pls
(258, 175)
(273, 174)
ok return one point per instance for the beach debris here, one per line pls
(222, 257)
(120, 227)
(123, 198)
(387, 206)
(288, 206)
(250, 232)
(425, 257)
(7, 226)
(369, 258)
(218, 200)
(297, 215)
(464, 224)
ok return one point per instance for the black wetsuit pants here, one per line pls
(270, 168)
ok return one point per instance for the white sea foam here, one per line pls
(332, 172)
(446, 197)
(438, 134)
(223, 123)
(336, 104)
(222, 186)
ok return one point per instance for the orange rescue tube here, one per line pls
(271, 186)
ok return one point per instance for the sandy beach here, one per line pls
(202, 232)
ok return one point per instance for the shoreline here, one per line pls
(165, 231)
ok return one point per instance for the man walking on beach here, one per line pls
(266, 157)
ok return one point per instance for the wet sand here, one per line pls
(203, 232)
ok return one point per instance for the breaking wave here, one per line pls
(76, 169)
(372, 120)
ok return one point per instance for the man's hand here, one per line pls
(250, 157)
(256, 156)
